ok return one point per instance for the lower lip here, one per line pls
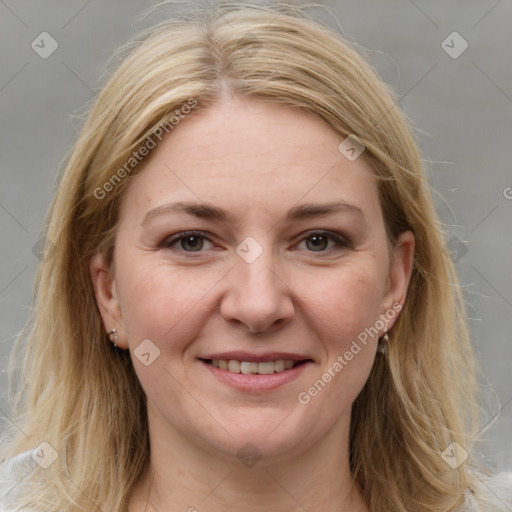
(255, 382)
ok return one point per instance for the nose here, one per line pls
(257, 297)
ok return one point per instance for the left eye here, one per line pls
(319, 242)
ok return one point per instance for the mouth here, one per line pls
(256, 373)
(255, 367)
(262, 374)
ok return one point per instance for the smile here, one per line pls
(256, 376)
(252, 367)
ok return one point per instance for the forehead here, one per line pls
(251, 155)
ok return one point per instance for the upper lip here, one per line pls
(239, 355)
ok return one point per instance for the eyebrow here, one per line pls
(211, 212)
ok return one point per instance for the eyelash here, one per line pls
(341, 241)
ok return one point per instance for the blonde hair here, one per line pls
(86, 401)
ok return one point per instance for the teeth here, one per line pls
(251, 367)
(280, 365)
(248, 368)
(233, 366)
(266, 368)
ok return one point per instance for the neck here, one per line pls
(185, 477)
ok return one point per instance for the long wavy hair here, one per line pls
(85, 401)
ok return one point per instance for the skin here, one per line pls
(255, 160)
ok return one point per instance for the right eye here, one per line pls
(191, 241)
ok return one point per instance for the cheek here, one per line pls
(345, 312)
(157, 301)
(347, 301)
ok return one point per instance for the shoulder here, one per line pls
(490, 494)
(14, 473)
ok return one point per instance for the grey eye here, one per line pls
(192, 243)
(317, 243)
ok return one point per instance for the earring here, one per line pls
(383, 344)
(113, 337)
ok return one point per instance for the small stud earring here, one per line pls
(113, 337)
(383, 344)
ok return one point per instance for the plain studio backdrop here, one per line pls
(449, 62)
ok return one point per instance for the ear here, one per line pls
(107, 298)
(400, 271)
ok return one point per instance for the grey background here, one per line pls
(462, 106)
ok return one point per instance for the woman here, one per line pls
(245, 220)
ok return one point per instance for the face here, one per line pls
(250, 242)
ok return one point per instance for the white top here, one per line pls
(494, 494)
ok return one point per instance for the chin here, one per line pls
(263, 436)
